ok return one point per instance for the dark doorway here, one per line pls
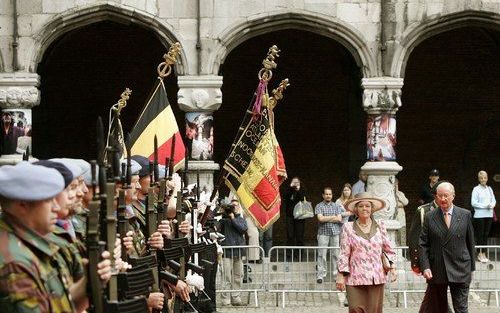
(83, 74)
(450, 117)
(320, 123)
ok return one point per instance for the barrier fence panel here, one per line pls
(294, 271)
(241, 270)
(485, 280)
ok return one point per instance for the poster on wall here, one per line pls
(200, 135)
(381, 137)
(16, 131)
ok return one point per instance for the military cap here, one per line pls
(434, 172)
(61, 168)
(144, 163)
(87, 176)
(28, 182)
(135, 167)
(434, 188)
(71, 165)
(84, 165)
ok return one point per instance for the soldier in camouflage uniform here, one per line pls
(33, 275)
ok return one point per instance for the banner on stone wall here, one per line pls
(16, 131)
(200, 135)
(381, 137)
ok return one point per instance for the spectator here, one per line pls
(295, 228)
(483, 201)
(426, 195)
(331, 217)
(362, 245)
(360, 185)
(266, 239)
(233, 226)
(401, 202)
(346, 195)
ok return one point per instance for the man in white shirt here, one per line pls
(360, 185)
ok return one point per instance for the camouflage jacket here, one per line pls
(75, 242)
(72, 257)
(135, 222)
(33, 277)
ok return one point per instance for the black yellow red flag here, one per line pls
(157, 118)
(255, 166)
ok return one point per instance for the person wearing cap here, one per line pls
(33, 275)
(447, 260)
(139, 205)
(65, 199)
(426, 195)
(364, 244)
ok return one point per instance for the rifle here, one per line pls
(94, 250)
(151, 221)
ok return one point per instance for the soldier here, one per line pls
(33, 276)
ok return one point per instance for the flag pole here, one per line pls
(265, 74)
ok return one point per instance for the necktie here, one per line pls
(447, 219)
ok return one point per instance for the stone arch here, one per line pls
(63, 23)
(338, 30)
(419, 32)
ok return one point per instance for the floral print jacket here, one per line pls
(361, 254)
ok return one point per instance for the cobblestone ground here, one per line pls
(322, 303)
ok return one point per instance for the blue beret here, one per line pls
(28, 182)
(84, 165)
(135, 166)
(161, 170)
(87, 176)
(71, 165)
(61, 168)
(144, 163)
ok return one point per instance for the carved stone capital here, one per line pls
(199, 93)
(381, 94)
(19, 90)
(380, 183)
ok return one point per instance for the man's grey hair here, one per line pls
(446, 186)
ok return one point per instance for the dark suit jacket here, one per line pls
(414, 234)
(449, 253)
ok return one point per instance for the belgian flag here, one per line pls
(157, 118)
(255, 166)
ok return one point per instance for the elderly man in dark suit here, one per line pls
(447, 242)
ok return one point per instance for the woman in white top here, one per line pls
(483, 201)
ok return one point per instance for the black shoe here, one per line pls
(319, 281)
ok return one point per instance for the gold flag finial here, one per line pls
(123, 100)
(165, 68)
(269, 64)
(278, 93)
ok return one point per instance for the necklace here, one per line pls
(367, 225)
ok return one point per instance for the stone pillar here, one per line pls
(18, 94)
(199, 97)
(381, 100)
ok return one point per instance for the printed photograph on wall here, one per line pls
(16, 131)
(200, 135)
(381, 137)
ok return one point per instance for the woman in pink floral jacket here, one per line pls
(363, 244)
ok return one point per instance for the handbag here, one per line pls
(302, 210)
(386, 264)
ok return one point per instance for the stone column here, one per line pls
(199, 97)
(381, 100)
(18, 94)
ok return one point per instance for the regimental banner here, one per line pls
(255, 166)
(158, 119)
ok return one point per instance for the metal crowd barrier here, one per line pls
(252, 280)
(485, 280)
(293, 270)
